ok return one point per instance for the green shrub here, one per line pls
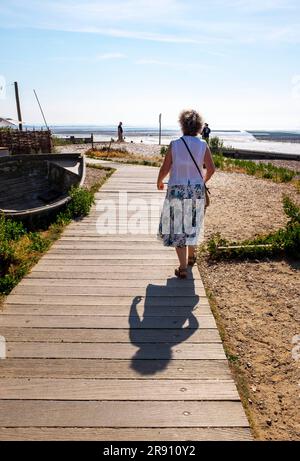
(7, 283)
(260, 170)
(10, 230)
(12, 278)
(80, 204)
(291, 210)
(219, 161)
(216, 145)
(38, 243)
(286, 175)
(285, 241)
(250, 168)
(7, 254)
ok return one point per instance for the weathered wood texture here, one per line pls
(104, 343)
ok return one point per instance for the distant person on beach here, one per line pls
(206, 132)
(120, 132)
(182, 217)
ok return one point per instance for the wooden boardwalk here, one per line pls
(104, 343)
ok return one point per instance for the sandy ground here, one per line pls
(92, 176)
(140, 149)
(243, 206)
(257, 303)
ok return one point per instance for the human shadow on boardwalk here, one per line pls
(166, 321)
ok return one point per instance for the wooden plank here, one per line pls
(25, 413)
(143, 178)
(123, 434)
(90, 321)
(75, 233)
(161, 272)
(143, 253)
(121, 369)
(149, 209)
(129, 258)
(148, 291)
(129, 253)
(119, 228)
(183, 351)
(148, 197)
(91, 231)
(116, 389)
(110, 246)
(91, 282)
(124, 220)
(90, 300)
(78, 335)
(130, 190)
(48, 273)
(140, 264)
(106, 310)
(111, 239)
(132, 206)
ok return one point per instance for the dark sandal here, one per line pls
(192, 260)
(181, 273)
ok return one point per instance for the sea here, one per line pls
(272, 140)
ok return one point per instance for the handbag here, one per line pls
(207, 191)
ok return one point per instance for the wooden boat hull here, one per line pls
(36, 184)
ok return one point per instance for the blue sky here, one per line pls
(236, 61)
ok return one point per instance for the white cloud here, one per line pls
(173, 64)
(212, 23)
(137, 35)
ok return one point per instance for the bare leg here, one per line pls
(181, 253)
(192, 251)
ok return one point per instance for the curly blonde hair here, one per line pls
(191, 122)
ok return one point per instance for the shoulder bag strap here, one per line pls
(197, 166)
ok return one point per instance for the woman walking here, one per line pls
(182, 217)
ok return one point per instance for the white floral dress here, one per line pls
(182, 218)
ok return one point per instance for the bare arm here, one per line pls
(209, 165)
(164, 169)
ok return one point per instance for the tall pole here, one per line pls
(18, 106)
(42, 112)
(159, 129)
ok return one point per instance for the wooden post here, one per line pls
(92, 140)
(18, 106)
(159, 129)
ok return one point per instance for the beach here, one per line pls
(271, 141)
